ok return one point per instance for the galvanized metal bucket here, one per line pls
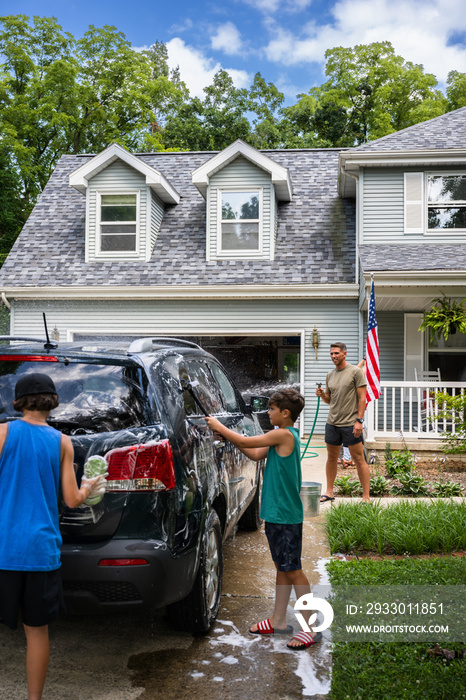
(310, 496)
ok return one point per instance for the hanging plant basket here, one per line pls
(445, 318)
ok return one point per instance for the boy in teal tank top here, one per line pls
(281, 508)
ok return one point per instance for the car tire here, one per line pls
(197, 612)
(250, 520)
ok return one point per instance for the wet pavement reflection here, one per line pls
(138, 655)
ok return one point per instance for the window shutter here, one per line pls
(414, 202)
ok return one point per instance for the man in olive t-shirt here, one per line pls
(345, 391)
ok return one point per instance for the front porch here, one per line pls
(407, 411)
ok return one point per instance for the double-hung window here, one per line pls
(118, 223)
(446, 202)
(240, 220)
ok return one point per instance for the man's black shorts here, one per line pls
(285, 542)
(338, 434)
(37, 594)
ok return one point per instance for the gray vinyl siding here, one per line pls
(335, 320)
(117, 177)
(382, 205)
(241, 173)
(391, 354)
(391, 344)
(156, 216)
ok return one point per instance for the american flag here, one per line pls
(372, 352)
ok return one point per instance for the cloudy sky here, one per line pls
(283, 39)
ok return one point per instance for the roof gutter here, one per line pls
(351, 161)
(266, 291)
(417, 278)
(5, 301)
(354, 159)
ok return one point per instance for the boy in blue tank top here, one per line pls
(281, 507)
(34, 458)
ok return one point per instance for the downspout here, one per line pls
(5, 301)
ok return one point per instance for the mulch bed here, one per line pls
(451, 471)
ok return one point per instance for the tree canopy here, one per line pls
(60, 94)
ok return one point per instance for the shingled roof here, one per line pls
(446, 131)
(315, 239)
(412, 257)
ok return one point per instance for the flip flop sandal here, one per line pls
(325, 498)
(265, 627)
(305, 640)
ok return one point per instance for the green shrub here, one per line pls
(400, 462)
(411, 485)
(453, 408)
(378, 486)
(447, 489)
(347, 486)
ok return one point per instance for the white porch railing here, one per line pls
(410, 408)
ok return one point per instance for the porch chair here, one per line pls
(426, 404)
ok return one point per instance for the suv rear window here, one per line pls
(93, 398)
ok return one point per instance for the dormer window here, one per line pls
(125, 204)
(240, 220)
(242, 188)
(118, 223)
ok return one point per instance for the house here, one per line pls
(263, 257)
(410, 190)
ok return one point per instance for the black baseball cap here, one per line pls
(35, 383)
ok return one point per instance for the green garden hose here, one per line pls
(312, 454)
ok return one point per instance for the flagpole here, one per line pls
(372, 349)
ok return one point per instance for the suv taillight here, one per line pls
(141, 468)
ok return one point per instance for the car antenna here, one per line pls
(48, 345)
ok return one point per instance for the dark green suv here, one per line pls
(174, 491)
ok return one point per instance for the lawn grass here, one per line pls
(401, 671)
(407, 572)
(411, 527)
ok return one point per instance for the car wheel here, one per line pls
(198, 611)
(250, 520)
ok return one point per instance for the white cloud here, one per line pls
(227, 39)
(271, 6)
(286, 87)
(419, 31)
(184, 26)
(197, 70)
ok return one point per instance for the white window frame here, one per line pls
(120, 254)
(437, 231)
(238, 253)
